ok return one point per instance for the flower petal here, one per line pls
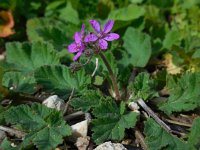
(90, 38)
(95, 25)
(77, 56)
(103, 44)
(82, 46)
(72, 48)
(82, 29)
(77, 37)
(108, 26)
(111, 37)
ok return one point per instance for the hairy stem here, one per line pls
(112, 76)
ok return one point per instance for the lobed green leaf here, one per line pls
(88, 100)
(158, 139)
(19, 82)
(111, 122)
(194, 136)
(60, 80)
(28, 57)
(184, 93)
(143, 87)
(44, 126)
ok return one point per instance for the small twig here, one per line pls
(74, 115)
(145, 114)
(67, 103)
(153, 115)
(140, 139)
(96, 67)
(15, 132)
(179, 133)
(178, 123)
(185, 116)
(172, 131)
(23, 97)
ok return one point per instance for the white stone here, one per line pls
(80, 129)
(2, 135)
(134, 107)
(110, 146)
(54, 102)
(82, 143)
(2, 56)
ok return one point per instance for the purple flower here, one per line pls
(101, 35)
(77, 46)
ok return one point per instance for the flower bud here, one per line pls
(75, 66)
(88, 52)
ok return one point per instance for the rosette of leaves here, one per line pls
(111, 121)
(143, 87)
(44, 126)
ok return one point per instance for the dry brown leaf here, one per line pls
(7, 25)
(171, 67)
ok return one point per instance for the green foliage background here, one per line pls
(37, 60)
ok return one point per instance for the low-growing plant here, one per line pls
(134, 75)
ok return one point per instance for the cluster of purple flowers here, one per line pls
(100, 38)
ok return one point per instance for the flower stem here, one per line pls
(112, 76)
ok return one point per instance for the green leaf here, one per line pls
(136, 1)
(137, 46)
(23, 116)
(184, 93)
(45, 127)
(171, 38)
(49, 138)
(158, 139)
(28, 57)
(53, 35)
(98, 80)
(19, 82)
(111, 122)
(42, 29)
(6, 145)
(104, 7)
(60, 80)
(89, 100)
(127, 13)
(2, 110)
(196, 54)
(32, 27)
(107, 108)
(143, 87)
(69, 14)
(194, 136)
(54, 4)
(3, 90)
